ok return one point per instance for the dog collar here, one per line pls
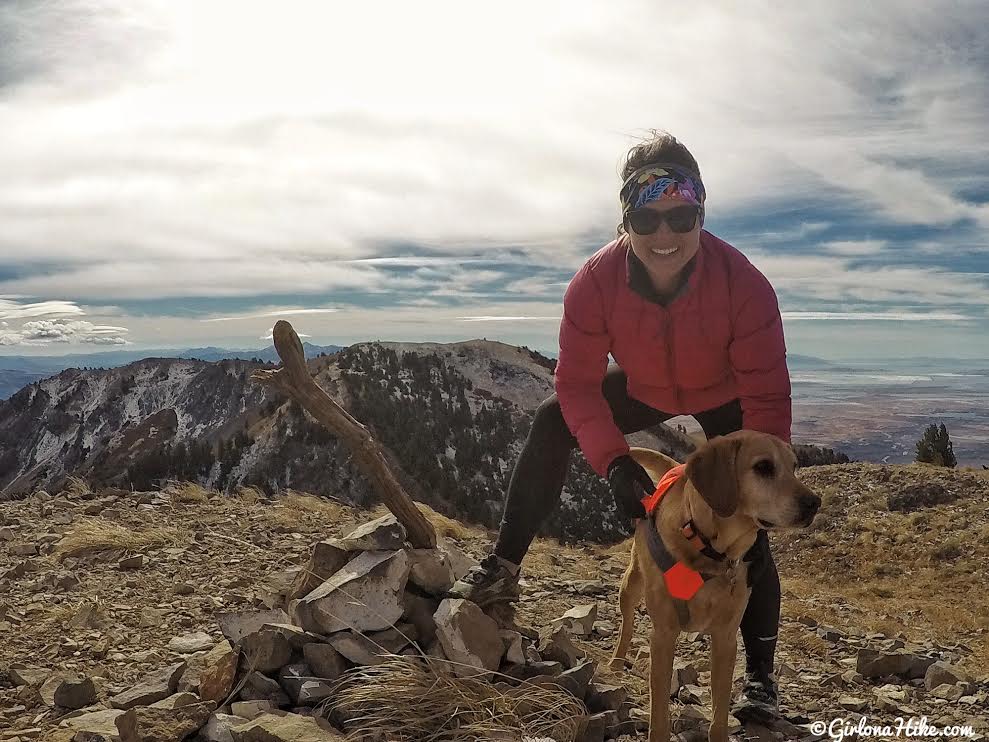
(681, 581)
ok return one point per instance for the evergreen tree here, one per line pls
(935, 447)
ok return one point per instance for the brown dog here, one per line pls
(732, 486)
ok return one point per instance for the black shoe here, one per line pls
(759, 699)
(489, 582)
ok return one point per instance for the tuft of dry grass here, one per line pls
(417, 698)
(184, 493)
(302, 502)
(77, 487)
(92, 535)
(445, 527)
(249, 495)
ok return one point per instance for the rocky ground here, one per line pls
(885, 611)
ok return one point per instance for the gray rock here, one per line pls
(326, 662)
(199, 641)
(579, 620)
(374, 647)
(468, 637)
(365, 595)
(162, 725)
(513, 646)
(577, 679)
(873, 664)
(559, 647)
(151, 688)
(33, 676)
(301, 686)
(251, 709)
(100, 722)
(601, 697)
(131, 563)
(853, 703)
(287, 728)
(176, 700)
(381, 534)
(940, 673)
(948, 692)
(259, 687)
(684, 673)
(326, 560)
(75, 692)
(219, 726)
(430, 570)
(266, 650)
(236, 625)
(460, 562)
(296, 636)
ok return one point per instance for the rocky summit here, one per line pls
(186, 613)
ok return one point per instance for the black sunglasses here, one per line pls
(646, 221)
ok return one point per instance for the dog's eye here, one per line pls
(764, 468)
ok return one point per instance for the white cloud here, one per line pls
(48, 332)
(855, 247)
(206, 148)
(804, 280)
(270, 337)
(280, 312)
(13, 310)
(150, 151)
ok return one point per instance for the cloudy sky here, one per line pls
(179, 173)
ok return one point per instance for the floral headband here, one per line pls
(661, 181)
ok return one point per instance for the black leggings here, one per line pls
(537, 481)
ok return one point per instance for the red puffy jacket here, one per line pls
(720, 339)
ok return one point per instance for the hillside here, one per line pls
(453, 417)
(100, 583)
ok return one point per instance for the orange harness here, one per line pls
(682, 582)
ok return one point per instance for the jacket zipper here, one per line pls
(670, 358)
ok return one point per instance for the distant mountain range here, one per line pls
(19, 371)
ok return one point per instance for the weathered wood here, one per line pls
(294, 380)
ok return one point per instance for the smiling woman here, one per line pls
(696, 330)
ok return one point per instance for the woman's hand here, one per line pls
(629, 483)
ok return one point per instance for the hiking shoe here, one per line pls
(488, 582)
(759, 698)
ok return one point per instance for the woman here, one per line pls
(695, 329)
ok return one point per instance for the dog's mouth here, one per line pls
(765, 523)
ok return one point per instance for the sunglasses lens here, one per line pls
(644, 221)
(682, 220)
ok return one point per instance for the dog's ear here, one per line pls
(711, 469)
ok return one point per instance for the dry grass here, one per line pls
(445, 527)
(249, 495)
(93, 535)
(77, 487)
(304, 503)
(407, 699)
(185, 493)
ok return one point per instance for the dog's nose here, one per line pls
(809, 505)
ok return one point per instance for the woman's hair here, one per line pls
(660, 146)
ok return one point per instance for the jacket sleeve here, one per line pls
(757, 354)
(580, 370)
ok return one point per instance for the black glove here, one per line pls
(629, 483)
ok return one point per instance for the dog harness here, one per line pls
(682, 582)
